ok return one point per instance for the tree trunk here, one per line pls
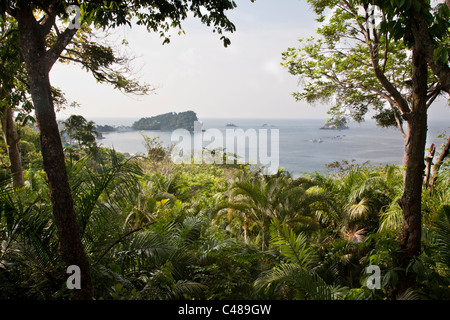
(12, 146)
(245, 228)
(263, 240)
(439, 162)
(428, 163)
(33, 48)
(411, 200)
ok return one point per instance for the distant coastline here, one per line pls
(183, 120)
(163, 122)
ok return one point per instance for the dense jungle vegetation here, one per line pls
(156, 230)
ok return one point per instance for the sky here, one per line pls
(196, 72)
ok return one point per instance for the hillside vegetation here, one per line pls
(156, 230)
(167, 122)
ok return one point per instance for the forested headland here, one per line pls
(167, 122)
(162, 122)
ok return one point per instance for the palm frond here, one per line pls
(142, 249)
(189, 230)
(294, 247)
(185, 288)
(359, 209)
(101, 190)
(392, 218)
(408, 294)
(308, 285)
(441, 230)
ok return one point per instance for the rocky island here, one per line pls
(334, 126)
(167, 122)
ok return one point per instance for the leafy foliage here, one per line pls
(156, 230)
(81, 130)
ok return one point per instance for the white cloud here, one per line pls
(273, 68)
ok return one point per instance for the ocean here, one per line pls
(302, 146)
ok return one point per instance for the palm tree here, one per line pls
(78, 128)
(88, 136)
(72, 124)
(360, 198)
(255, 199)
(295, 276)
(30, 264)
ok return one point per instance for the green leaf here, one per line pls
(118, 287)
(295, 248)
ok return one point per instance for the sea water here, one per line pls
(303, 146)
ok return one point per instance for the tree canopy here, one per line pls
(156, 15)
(357, 66)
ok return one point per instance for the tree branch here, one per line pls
(61, 43)
(48, 20)
(374, 46)
(6, 35)
(396, 95)
(120, 239)
(11, 11)
(425, 46)
(433, 95)
(439, 162)
(386, 50)
(399, 122)
(428, 162)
